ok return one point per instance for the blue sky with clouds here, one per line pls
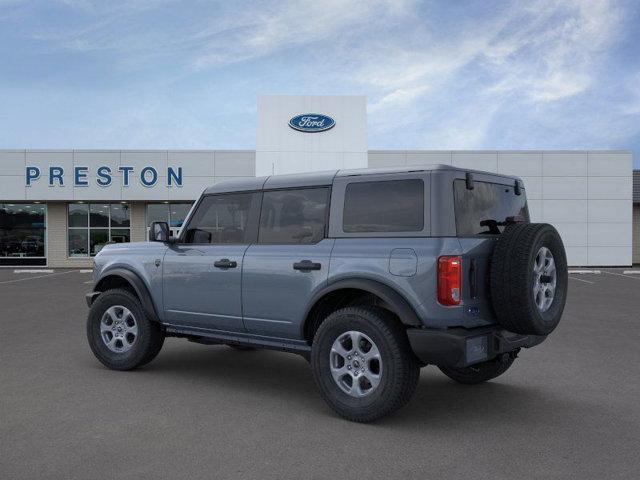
(438, 75)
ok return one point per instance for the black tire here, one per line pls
(147, 344)
(398, 375)
(513, 277)
(480, 372)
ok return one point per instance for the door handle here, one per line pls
(225, 263)
(306, 265)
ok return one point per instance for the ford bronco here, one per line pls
(369, 274)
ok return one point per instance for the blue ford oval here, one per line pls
(312, 122)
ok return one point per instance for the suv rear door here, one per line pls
(289, 262)
(202, 273)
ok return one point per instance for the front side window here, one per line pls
(485, 209)
(92, 225)
(384, 206)
(293, 216)
(22, 230)
(220, 219)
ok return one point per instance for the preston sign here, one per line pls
(56, 176)
(312, 122)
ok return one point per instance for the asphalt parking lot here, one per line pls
(569, 408)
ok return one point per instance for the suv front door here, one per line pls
(202, 272)
(289, 262)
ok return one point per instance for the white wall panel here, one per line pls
(611, 187)
(229, 164)
(609, 164)
(12, 162)
(610, 211)
(386, 159)
(522, 164)
(138, 159)
(609, 256)
(535, 210)
(428, 158)
(564, 211)
(95, 192)
(564, 164)
(577, 256)
(573, 234)
(194, 164)
(609, 234)
(94, 159)
(571, 188)
(533, 187)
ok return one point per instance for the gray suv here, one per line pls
(369, 274)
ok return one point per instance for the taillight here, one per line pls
(449, 280)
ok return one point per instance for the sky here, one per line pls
(437, 75)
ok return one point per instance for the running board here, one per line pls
(207, 337)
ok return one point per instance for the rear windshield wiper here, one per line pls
(494, 224)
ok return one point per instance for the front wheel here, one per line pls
(120, 333)
(363, 364)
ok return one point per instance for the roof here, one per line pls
(324, 178)
(636, 186)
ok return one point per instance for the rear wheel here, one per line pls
(363, 364)
(480, 372)
(120, 334)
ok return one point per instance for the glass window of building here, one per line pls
(92, 226)
(22, 233)
(172, 213)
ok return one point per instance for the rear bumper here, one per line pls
(461, 347)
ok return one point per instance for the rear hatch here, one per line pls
(482, 211)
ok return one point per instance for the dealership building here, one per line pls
(58, 208)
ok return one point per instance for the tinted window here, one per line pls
(220, 219)
(293, 216)
(484, 209)
(388, 206)
(22, 230)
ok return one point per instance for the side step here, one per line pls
(207, 337)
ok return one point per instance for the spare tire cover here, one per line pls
(529, 278)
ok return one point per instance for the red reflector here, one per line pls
(449, 280)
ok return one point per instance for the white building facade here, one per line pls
(59, 207)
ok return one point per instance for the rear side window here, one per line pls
(293, 216)
(220, 219)
(484, 209)
(384, 206)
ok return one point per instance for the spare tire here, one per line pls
(529, 278)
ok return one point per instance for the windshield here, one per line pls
(485, 209)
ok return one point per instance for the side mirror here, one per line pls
(159, 232)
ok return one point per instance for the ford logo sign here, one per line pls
(311, 122)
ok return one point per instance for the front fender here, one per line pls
(136, 282)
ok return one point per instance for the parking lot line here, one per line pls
(86, 271)
(33, 271)
(582, 271)
(581, 280)
(33, 278)
(621, 275)
(631, 272)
